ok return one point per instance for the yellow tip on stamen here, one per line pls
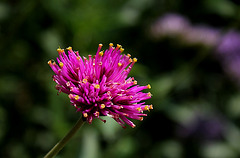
(146, 108)
(78, 58)
(85, 115)
(76, 97)
(134, 82)
(69, 48)
(60, 50)
(101, 53)
(49, 62)
(139, 109)
(96, 114)
(110, 44)
(97, 86)
(149, 86)
(119, 64)
(149, 94)
(70, 96)
(102, 106)
(119, 46)
(129, 55)
(141, 118)
(85, 80)
(61, 64)
(100, 45)
(121, 49)
(133, 126)
(134, 60)
(151, 106)
(130, 60)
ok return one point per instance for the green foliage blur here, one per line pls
(196, 103)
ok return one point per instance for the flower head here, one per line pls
(98, 85)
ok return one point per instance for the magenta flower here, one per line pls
(98, 86)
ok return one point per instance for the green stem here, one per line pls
(54, 151)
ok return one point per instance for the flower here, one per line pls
(228, 52)
(98, 86)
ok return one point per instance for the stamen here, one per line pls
(121, 49)
(129, 55)
(69, 48)
(61, 64)
(134, 60)
(102, 106)
(85, 115)
(101, 53)
(85, 80)
(151, 106)
(134, 82)
(76, 97)
(119, 64)
(149, 94)
(146, 108)
(110, 44)
(70, 96)
(149, 86)
(68, 84)
(119, 46)
(49, 62)
(97, 86)
(60, 50)
(139, 109)
(96, 114)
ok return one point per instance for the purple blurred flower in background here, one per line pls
(175, 25)
(203, 128)
(228, 51)
(98, 86)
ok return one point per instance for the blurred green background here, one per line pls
(184, 51)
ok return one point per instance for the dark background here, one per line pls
(194, 76)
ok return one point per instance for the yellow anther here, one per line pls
(149, 94)
(96, 114)
(134, 60)
(146, 108)
(85, 80)
(76, 97)
(130, 60)
(78, 58)
(97, 86)
(149, 86)
(100, 45)
(69, 48)
(101, 53)
(61, 64)
(102, 106)
(119, 46)
(151, 106)
(141, 118)
(85, 115)
(110, 44)
(139, 109)
(70, 96)
(60, 50)
(129, 55)
(134, 82)
(119, 64)
(49, 62)
(121, 49)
